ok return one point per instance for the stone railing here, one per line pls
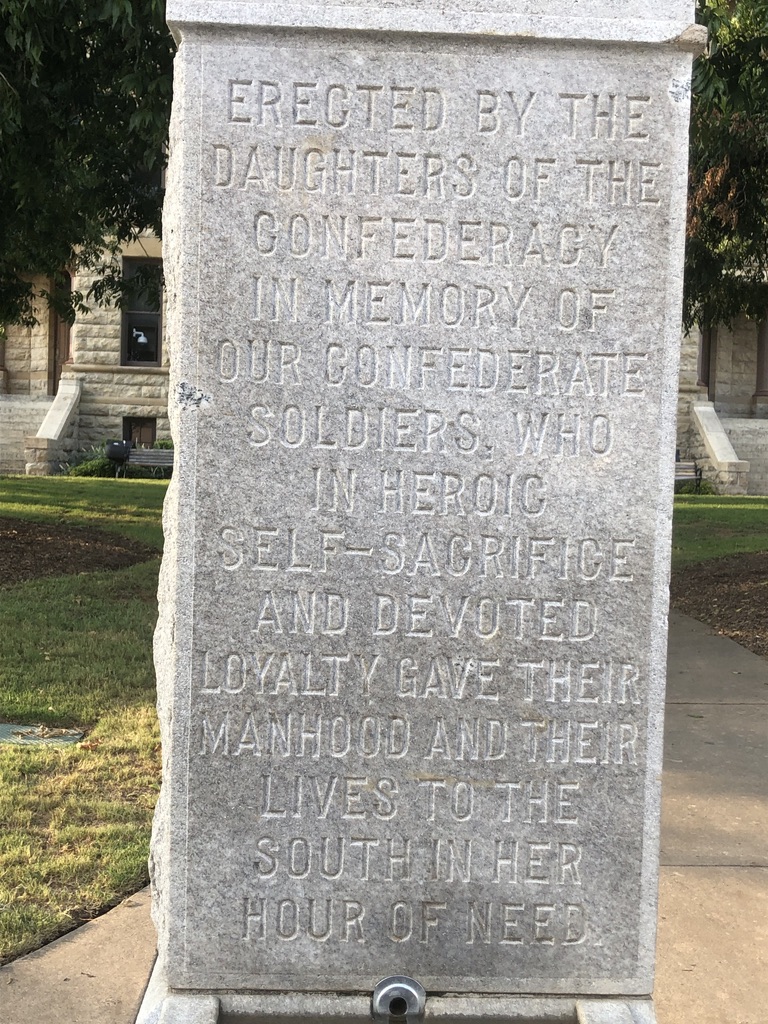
(720, 463)
(57, 436)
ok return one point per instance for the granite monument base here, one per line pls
(424, 289)
(163, 1005)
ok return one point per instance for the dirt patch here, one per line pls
(730, 595)
(30, 550)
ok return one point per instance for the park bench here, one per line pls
(121, 453)
(688, 471)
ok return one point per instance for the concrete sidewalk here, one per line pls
(712, 957)
(712, 953)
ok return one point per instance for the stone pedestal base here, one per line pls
(760, 406)
(161, 1005)
(42, 455)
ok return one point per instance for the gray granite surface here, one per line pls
(606, 20)
(424, 316)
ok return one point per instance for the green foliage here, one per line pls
(100, 465)
(703, 487)
(727, 246)
(146, 472)
(94, 462)
(76, 458)
(85, 90)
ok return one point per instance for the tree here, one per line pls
(85, 91)
(726, 268)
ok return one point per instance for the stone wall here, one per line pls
(27, 355)
(732, 378)
(48, 450)
(110, 391)
(110, 395)
(735, 368)
(712, 449)
(689, 392)
(20, 416)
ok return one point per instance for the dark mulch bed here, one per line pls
(730, 595)
(30, 550)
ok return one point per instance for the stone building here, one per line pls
(65, 387)
(106, 377)
(723, 405)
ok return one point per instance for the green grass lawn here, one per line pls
(76, 651)
(711, 526)
(129, 507)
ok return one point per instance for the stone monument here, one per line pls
(424, 270)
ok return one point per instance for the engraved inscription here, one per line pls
(422, 687)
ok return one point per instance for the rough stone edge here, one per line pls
(161, 1005)
(661, 510)
(172, 639)
(434, 21)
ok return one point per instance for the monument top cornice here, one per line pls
(608, 21)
